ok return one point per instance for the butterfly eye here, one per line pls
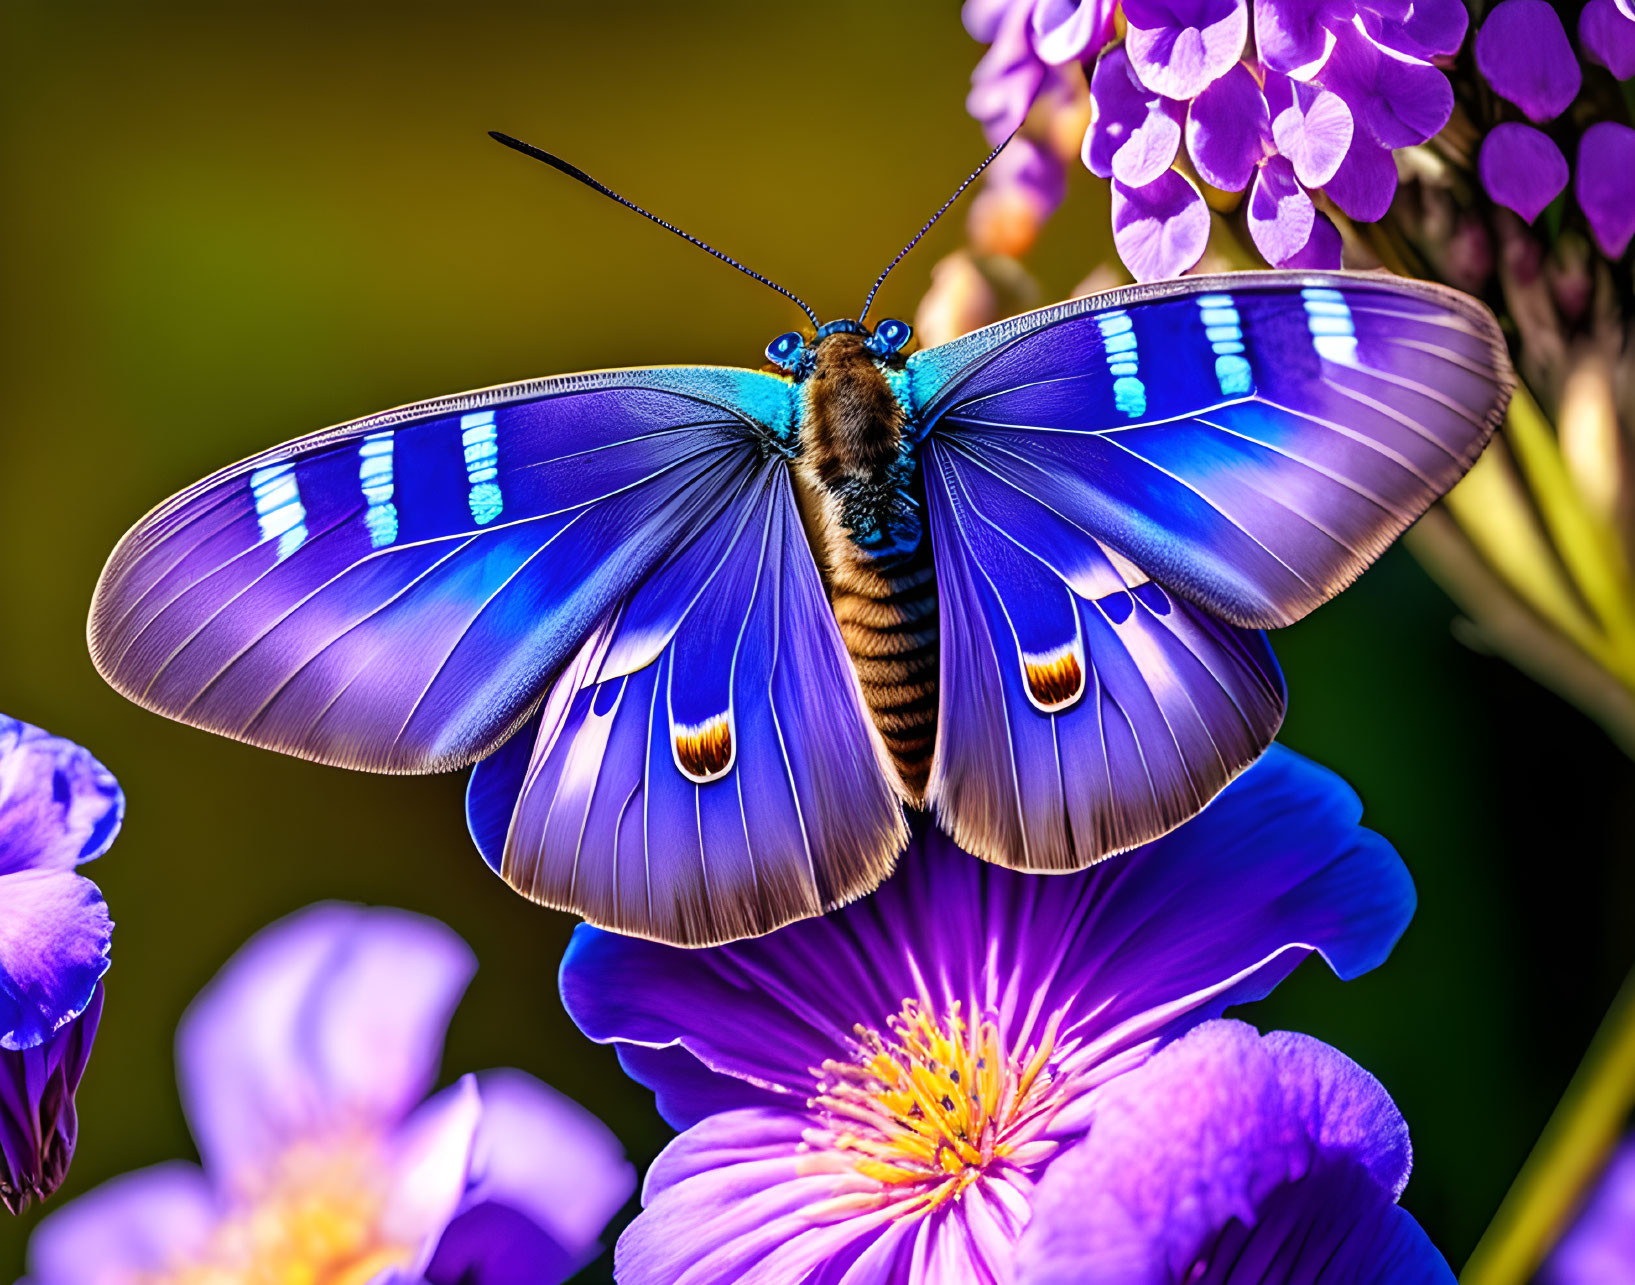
(889, 336)
(784, 350)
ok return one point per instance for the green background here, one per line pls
(224, 226)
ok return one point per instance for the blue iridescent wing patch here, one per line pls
(395, 594)
(705, 769)
(1123, 489)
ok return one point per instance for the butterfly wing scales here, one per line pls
(1253, 441)
(705, 768)
(395, 593)
(1125, 488)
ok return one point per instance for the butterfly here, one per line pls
(706, 631)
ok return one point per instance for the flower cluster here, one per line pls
(303, 1068)
(59, 808)
(1328, 92)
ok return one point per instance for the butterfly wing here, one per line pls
(395, 594)
(1123, 488)
(705, 768)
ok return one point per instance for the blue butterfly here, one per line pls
(705, 631)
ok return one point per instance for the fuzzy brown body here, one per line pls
(858, 483)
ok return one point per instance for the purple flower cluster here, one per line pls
(59, 808)
(303, 1068)
(903, 1090)
(1525, 56)
(1330, 90)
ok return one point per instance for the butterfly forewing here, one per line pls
(1122, 489)
(394, 594)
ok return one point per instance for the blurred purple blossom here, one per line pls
(59, 808)
(1230, 1155)
(303, 1069)
(876, 1095)
(1599, 1247)
(1524, 54)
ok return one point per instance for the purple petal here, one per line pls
(1600, 1244)
(1627, 8)
(1608, 37)
(1008, 78)
(493, 1244)
(1322, 250)
(1521, 168)
(38, 1122)
(734, 1191)
(1311, 126)
(1161, 229)
(137, 1224)
(1293, 34)
(1229, 130)
(1178, 46)
(430, 1158)
(1522, 51)
(1135, 134)
(1398, 101)
(331, 1017)
(1277, 862)
(1366, 181)
(1226, 1154)
(1605, 184)
(546, 1157)
(54, 939)
(58, 805)
(1280, 214)
(982, 17)
(1065, 30)
(1425, 29)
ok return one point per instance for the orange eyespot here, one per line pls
(704, 751)
(1056, 678)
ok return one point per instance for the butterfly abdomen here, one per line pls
(863, 501)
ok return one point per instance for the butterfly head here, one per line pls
(795, 353)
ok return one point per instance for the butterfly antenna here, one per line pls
(958, 191)
(574, 172)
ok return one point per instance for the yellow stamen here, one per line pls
(928, 1109)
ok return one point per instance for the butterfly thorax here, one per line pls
(862, 497)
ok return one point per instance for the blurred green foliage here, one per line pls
(228, 225)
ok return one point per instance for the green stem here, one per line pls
(1568, 1156)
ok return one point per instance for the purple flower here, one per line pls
(1064, 31)
(59, 808)
(1523, 53)
(879, 1092)
(1233, 1156)
(1334, 87)
(303, 1066)
(1599, 1248)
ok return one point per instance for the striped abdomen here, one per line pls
(863, 502)
(888, 619)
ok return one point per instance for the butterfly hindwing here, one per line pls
(1084, 709)
(705, 768)
(1124, 489)
(395, 593)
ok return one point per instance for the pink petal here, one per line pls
(1311, 126)
(1229, 130)
(1281, 215)
(1606, 184)
(1521, 168)
(1160, 229)
(1179, 46)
